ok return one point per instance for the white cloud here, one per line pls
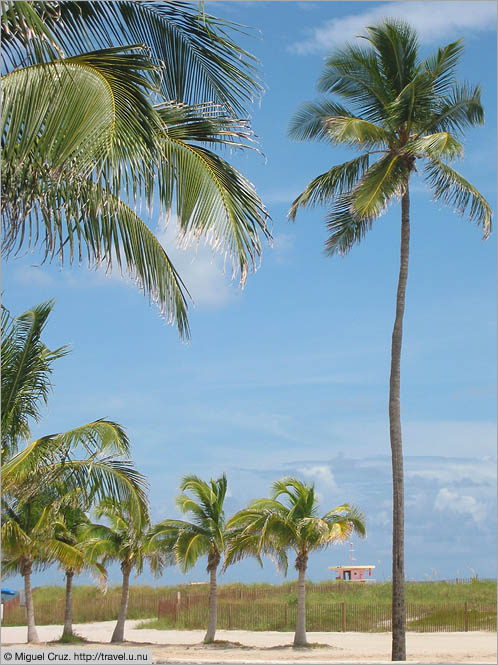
(444, 20)
(475, 472)
(323, 475)
(200, 268)
(460, 503)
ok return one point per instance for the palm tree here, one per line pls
(70, 509)
(204, 535)
(404, 111)
(127, 540)
(90, 136)
(26, 370)
(29, 541)
(74, 520)
(105, 470)
(272, 527)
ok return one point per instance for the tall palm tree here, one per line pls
(205, 535)
(273, 527)
(29, 541)
(91, 136)
(403, 111)
(124, 539)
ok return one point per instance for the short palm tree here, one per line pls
(70, 509)
(205, 535)
(105, 470)
(124, 539)
(404, 111)
(29, 541)
(272, 527)
(26, 370)
(110, 106)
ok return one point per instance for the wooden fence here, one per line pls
(192, 613)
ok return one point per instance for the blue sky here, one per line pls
(289, 376)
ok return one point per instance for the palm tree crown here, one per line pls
(273, 526)
(111, 107)
(402, 110)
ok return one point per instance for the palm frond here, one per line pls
(77, 111)
(199, 58)
(216, 202)
(379, 184)
(354, 74)
(454, 190)
(344, 226)
(396, 46)
(102, 436)
(460, 109)
(325, 187)
(310, 120)
(441, 144)
(441, 66)
(357, 133)
(26, 369)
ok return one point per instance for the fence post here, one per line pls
(343, 612)
(466, 617)
(230, 616)
(177, 606)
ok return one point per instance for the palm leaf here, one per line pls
(379, 184)
(325, 187)
(454, 190)
(198, 57)
(311, 120)
(442, 144)
(26, 369)
(354, 73)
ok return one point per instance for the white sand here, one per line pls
(185, 646)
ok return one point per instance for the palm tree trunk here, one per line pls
(28, 599)
(300, 634)
(398, 598)
(213, 606)
(68, 609)
(118, 634)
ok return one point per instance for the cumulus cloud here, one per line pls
(464, 504)
(323, 475)
(442, 21)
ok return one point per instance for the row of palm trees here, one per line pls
(52, 485)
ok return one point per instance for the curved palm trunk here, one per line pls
(300, 634)
(68, 609)
(118, 634)
(398, 598)
(213, 605)
(28, 595)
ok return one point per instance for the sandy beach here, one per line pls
(185, 646)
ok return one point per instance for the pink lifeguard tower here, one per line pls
(353, 572)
